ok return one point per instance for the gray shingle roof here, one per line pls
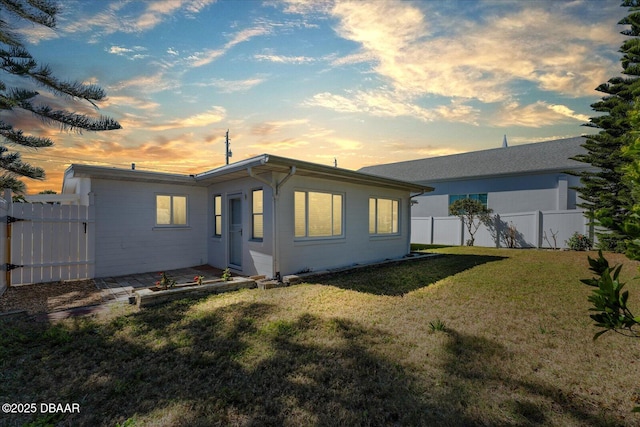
(527, 158)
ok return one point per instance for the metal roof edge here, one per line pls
(76, 170)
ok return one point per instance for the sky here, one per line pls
(354, 82)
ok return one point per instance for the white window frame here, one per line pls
(217, 213)
(375, 225)
(172, 223)
(254, 214)
(333, 235)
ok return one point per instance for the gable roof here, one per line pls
(549, 156)
(259, 165)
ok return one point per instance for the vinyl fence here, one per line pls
(538, 229)
(43, 242)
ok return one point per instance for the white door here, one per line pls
(235, 231)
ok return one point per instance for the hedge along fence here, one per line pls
(528, 229)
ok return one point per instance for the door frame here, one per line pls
(235, 235)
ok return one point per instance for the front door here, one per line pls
(235, 231)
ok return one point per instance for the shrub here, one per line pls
(579, 242)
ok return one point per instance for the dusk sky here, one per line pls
(362, 82)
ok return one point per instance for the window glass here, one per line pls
(257, 213)
(171, 210)
(217, 215)
(179, 210)
(163, 210)
(320, 212)
(372, 216)
(383, 216)
(317, 214)
(300, 198)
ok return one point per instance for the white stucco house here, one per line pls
(266, 215)
(527, 185)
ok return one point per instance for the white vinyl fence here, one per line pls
(43, 242)
(538, 229)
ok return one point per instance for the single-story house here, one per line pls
(519, 178)
(527, 185)
(266, 215)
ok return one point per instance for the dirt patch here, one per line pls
(50, 297)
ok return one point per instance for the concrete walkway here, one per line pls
(120, 288)
(117, 290)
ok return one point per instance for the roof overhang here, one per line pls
(267, 163)
(101, 172)
(264, 164)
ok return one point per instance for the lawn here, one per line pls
(476, 337)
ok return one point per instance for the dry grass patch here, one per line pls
(515, 349)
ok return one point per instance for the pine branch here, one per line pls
(72, 121)
(17, 137)
(13, 163)
(44, 12)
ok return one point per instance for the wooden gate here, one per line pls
(48, 242)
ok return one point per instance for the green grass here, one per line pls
(476, 337)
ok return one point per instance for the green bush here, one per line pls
(579, 242)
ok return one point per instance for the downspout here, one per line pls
(409, 222)
(275, 193)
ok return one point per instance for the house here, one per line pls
(523, 180)
(266, 215)
(519, 178)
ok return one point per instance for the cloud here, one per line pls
(535, 115)
(126, 17)
(497, 57)
(270, 128)
(389, 103)
(210, 55)
(131, 53)
(212, 116)
(282, 144)
(285, 59)
(231, 86)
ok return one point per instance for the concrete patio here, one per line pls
(120, 288)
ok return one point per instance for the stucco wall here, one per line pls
(356, 246)
(512, 194)
(127, 240)
(256, 253)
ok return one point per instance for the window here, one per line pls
(171, 210)
(257, 214)
(217, 216)
(482, 197)
(383, 216)
(317, 214)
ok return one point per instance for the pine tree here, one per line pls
(16, 60)
(606, 195)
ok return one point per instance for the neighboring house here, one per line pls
(266, 215)
(525, 178)
(520, 178)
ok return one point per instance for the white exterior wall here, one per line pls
(512, 194)
(356, 246)
(127, 240)
(256, 254)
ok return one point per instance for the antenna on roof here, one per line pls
(227, 152)
(504, 142)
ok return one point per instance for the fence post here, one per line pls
(538, 218)
(497, 226)
(4, 238)
(431, 230)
